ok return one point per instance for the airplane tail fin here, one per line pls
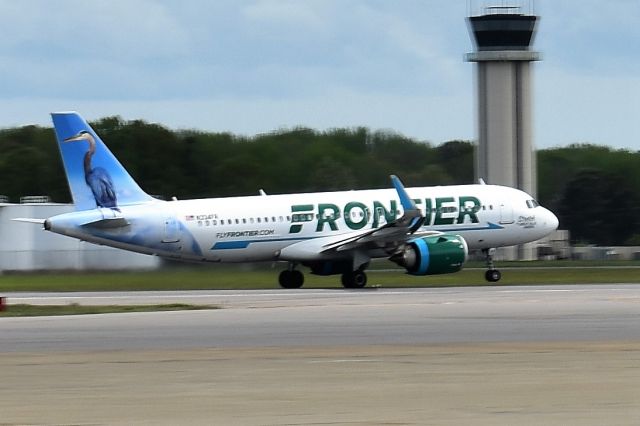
(96, 178)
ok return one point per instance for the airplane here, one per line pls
(425, 230)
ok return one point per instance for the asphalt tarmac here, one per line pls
(491, 355)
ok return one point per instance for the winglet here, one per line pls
(411, 211)
(405, 200)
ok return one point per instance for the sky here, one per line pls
(255, 66)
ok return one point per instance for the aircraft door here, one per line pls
(171, 230)
(506, 214)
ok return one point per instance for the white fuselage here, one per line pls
(258, 228)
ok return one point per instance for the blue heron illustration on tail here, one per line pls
(97, 178)
(110, 207)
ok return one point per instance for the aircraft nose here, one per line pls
(551, 221)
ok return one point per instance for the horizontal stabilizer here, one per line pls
(113, 222)
(29, 220)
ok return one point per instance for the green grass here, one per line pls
(173, 279)
(22, 310)
(558, 264)
(521, 276)
(516, 273)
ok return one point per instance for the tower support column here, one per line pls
(505, 152)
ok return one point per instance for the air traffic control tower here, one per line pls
(503, 35)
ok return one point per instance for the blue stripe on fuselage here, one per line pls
(489, 226)
(232, 245)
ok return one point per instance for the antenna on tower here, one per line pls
(484, 7)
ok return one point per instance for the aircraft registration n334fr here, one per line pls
(426, 230)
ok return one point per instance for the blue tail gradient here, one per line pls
(96, 178)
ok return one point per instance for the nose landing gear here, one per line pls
(492, 275)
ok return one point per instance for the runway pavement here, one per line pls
(490, 355)
(334, 317)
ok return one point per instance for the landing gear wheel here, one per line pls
(492, 275)
(291, 279)
(355, 279)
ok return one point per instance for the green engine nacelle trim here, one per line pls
(441, 254)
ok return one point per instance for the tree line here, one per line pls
(594, 190)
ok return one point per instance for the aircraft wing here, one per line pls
(388, 237)
(392, 234)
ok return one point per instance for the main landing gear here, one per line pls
(291, 278)
(492, 275)
(354, 279)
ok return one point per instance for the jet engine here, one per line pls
(440, 254)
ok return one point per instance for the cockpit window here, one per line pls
(532, 204)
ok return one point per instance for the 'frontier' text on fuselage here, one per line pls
(356, 214)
